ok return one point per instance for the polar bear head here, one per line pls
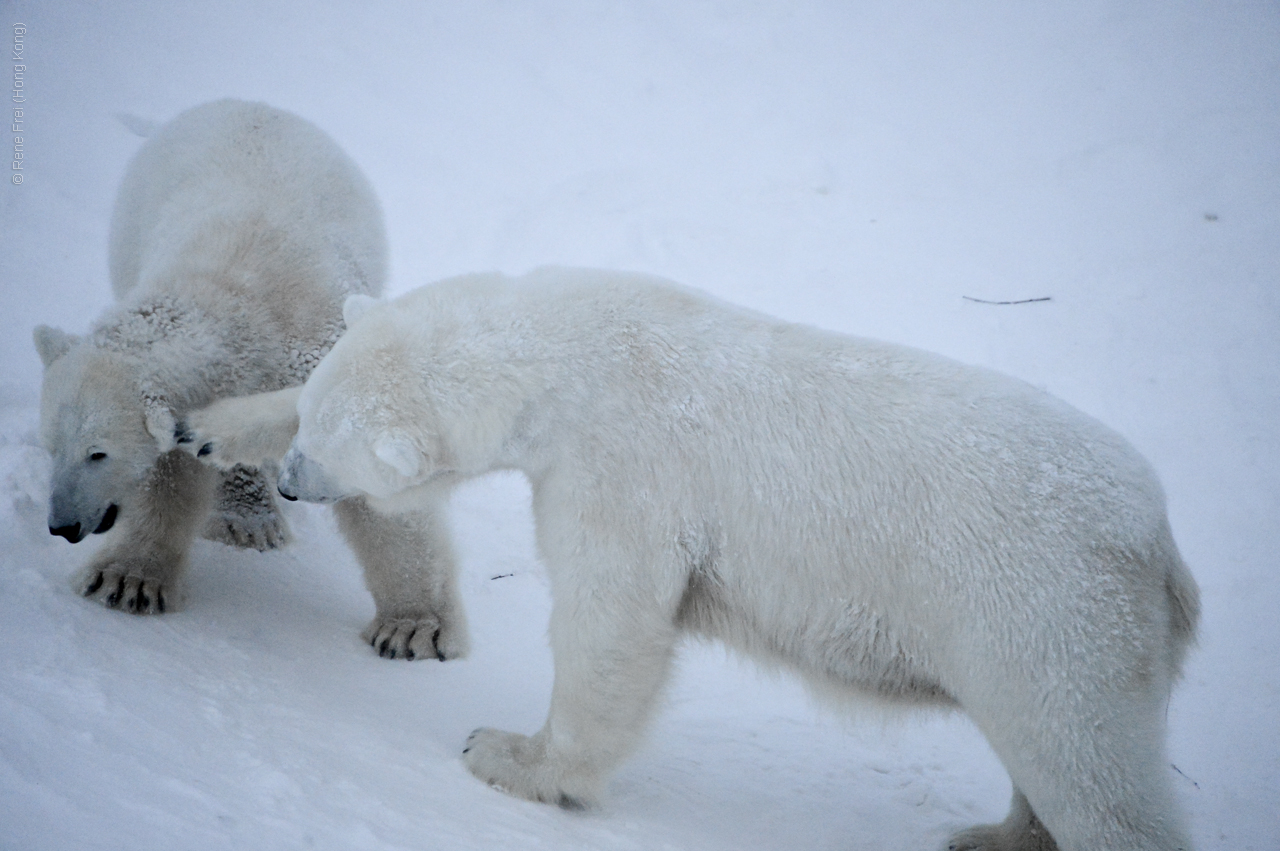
(361, 416)
(408, 396)
(102, 428)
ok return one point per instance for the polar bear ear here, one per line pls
(398, 452)
(52, 343)
(161, 424)
(356, 306)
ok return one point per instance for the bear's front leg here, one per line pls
(410, 571)
(245, 512)
(143, 571)
(251, 431)
(612, 647)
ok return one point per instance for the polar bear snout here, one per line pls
(287, 484)
(69, 531)
(74, 530)
(305, 479)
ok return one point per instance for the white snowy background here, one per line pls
(860, 166)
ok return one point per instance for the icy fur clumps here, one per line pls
(302, 362)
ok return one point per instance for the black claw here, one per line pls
(114, 597)
(466, 750)
(204, 450)
(94, 585)
(144, 602)
(568, 802)
(435, 643)
(160, 601)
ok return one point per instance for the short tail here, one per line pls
(137, 125)
(1184, 606)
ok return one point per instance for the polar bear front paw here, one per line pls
(121, 586)
(518, 765)
(251, 431)
(246, 515)
(410, 638)
(260, 531)
(201, 442)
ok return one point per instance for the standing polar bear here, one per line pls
(237, 233)
(883, 521)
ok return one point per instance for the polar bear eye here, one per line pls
(97, 456)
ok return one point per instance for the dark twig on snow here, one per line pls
(1179, 770)
(501, 576)
(1020, 301)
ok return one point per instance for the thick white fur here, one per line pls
(881, 520)
(238, 231)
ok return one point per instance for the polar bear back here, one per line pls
(243, 198)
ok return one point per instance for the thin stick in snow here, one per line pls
(1020, 301)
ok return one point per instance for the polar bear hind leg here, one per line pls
(1088, 766)
(1020, 831)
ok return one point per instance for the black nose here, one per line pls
(71, 533)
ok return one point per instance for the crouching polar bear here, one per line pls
(884, 521)
(237, 232)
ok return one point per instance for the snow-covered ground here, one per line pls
(862, 166)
